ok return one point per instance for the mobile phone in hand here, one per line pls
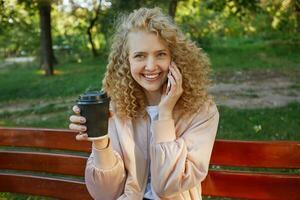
(168, 81)
(168, 86)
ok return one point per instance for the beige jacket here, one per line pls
(179, 151)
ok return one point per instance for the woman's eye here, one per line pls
(162, 54)
(139, 56)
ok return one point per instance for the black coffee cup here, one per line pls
(94, 106)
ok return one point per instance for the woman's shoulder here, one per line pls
(207, 110)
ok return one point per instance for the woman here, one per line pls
(163, 123)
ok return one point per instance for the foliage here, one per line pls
(19, 29)
(201, 20)
(236, 18)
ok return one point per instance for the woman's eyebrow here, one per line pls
(138, 52)
(144, 52)
(162, 50)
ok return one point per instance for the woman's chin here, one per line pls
(152, 89)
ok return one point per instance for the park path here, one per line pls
(252, 89)
(14, 60)
(248, 89)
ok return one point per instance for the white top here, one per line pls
(153, 113)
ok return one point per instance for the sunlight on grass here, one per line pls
(56, 72)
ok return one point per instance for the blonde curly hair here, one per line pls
(126, 94)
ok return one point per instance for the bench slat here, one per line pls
(44, 186)
(266, 154)
(251, 186)
(44, 138)
(43, 162)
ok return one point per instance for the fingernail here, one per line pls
(82, 120)
(83, 128)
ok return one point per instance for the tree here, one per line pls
(46, 51)
(297, 10)
(172, 8)
(90, 11)
(47, 55)
(92, 24)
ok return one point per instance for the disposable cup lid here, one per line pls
(93, 96)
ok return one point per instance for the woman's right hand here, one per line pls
(77, 124)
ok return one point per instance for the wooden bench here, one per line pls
(26, 168)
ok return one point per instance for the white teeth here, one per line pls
(151, 76)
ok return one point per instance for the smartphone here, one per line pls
(168, 86)
(168, 83)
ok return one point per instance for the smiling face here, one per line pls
(149, 59)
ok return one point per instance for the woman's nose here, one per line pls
(151, 64)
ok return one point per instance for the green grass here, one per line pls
(49, 120)
(14, 196)
(27, 82)
(281, 123)
(47, 116)
(246, 54)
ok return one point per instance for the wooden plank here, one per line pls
(44, 138)
(267, 154)
(50, 187)
(43, 162)
(251, 185)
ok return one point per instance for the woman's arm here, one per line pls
(105, 174)
(180, 164)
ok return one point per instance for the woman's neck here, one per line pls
(153, 97)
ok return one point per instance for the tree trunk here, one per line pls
(92, 24)
(172, 8)
(47, 55)
(297, 10)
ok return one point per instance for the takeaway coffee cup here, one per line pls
(94, 106)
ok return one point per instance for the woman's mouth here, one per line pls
(151, 77)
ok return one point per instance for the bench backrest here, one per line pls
(58, 172)
(254, 170)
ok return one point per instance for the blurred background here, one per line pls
(52, 51)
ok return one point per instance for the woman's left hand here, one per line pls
(171, 94)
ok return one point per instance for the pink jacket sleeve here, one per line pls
(180, 164)
(102, 167)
